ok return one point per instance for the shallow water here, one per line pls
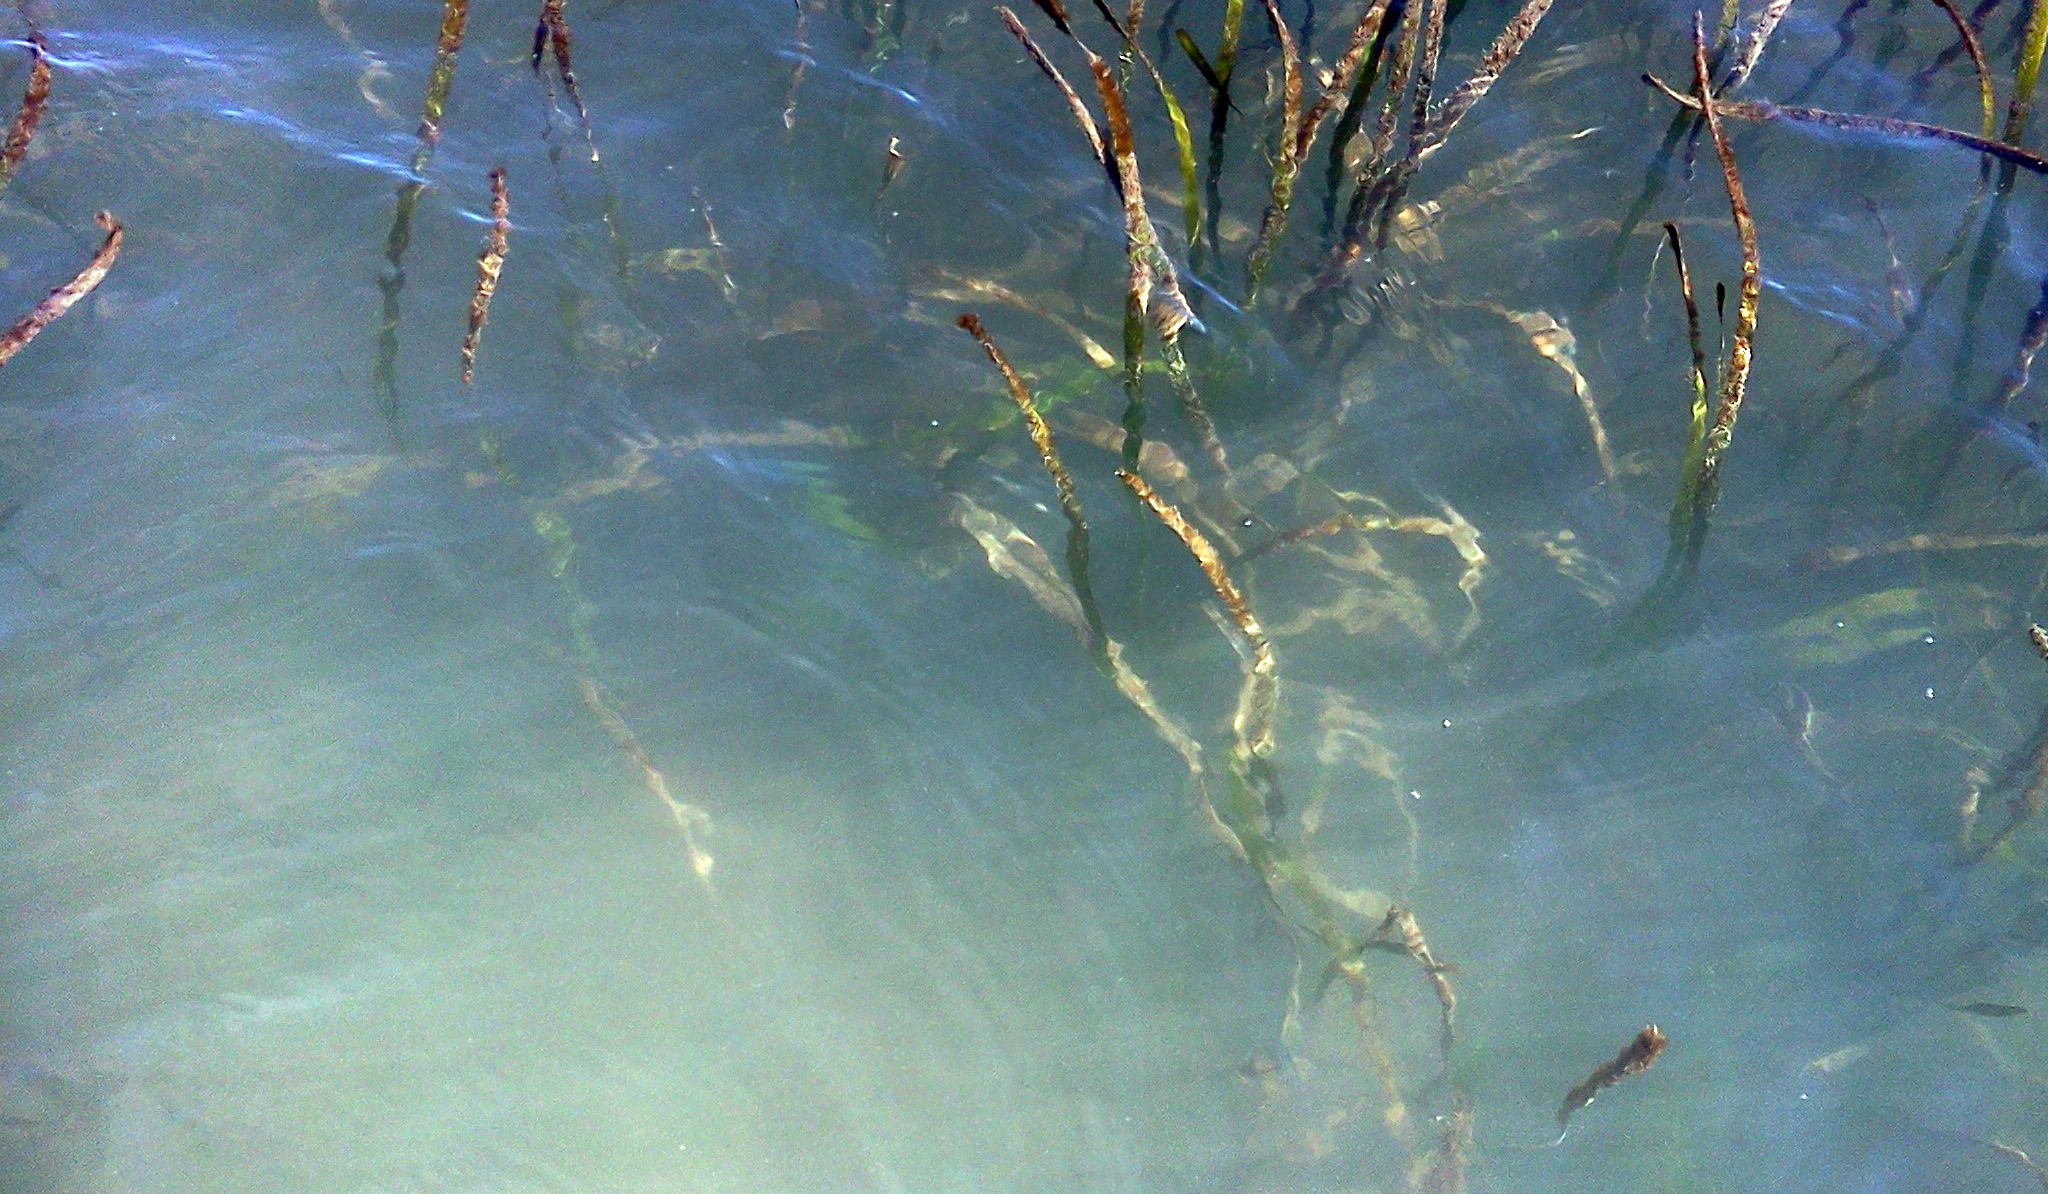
(329, 860)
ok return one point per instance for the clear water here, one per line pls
(321, 871)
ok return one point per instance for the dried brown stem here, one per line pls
(1985, 97)
(1152, 285)
(32, 101)
(1397, 183)
(1735, 380)
(1099, 643)
(1758, 112)
(1638, 1055)
(1368, 187)
(1700, 486)
(1253, 723)
(1401, 931)
(1753, 41)
(64, 297)
(488, 265)
(1298, 136)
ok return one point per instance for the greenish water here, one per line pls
(337, 699)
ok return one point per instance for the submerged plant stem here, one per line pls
(1757, 112)
(1700, 489)
(489, 264)
(454, 15)
(554, 24)
(1986, 100)
(691, 821)
(1635, 1057)
(384, 370)
(1062, 483)
(1253, 723)
(64, 297)
(32, 102)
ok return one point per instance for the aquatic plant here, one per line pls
(1638, 1055)
(1708, 441)
(23, 128)
(551, 34)
(489, 263)
(64, 297)
(398, 238)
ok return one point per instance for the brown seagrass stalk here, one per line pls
(1759, 112)
(1635, 1057)
(64, 297)
(32, 102)
(489, 264)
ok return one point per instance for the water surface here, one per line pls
(336, 696)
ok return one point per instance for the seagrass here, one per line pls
(33, 100)
(489, 264)
(66, 296)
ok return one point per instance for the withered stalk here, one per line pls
(64, 297)
(489, 264)
(32, 102)
(1638, 1055)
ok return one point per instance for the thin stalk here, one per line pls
(31, 112)
(1758, 112)
(1354, 113)
(1062, 483)
(1252, 724)
(554, 26)
(1365, 187)
(384, 370)
(1986, 101)
(2032, 43)
(64, 297)
(1285, 162)
(1699, 490)
(1418, 123)
(1513, 36)
(1183, 140)
(1754, 39)
(1297, 134)
(1696, 424)
(1079, 111)
(489, 264)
